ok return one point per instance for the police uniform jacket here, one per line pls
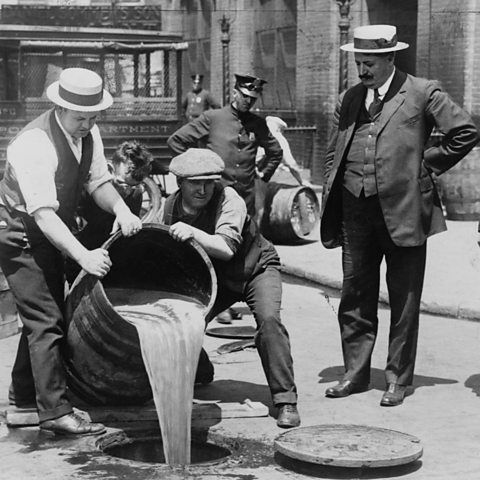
(196, 103)
(235, 136)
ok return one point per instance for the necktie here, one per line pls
(376, 105)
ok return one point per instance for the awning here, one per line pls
(105, 46)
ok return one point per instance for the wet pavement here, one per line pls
(442, 409)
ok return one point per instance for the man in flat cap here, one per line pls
(380, 201)
(246, 265)
(48, 164)
(198, 100)
(234, 133)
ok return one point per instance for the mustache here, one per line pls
(365, 77)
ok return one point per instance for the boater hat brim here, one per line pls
(81, 103)
(350, 47)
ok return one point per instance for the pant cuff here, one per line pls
(58, 412)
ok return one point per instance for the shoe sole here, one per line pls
(288, 425)
(352, 392)
(388, 404)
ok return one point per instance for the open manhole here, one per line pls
(150, 450)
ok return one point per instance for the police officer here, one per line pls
(198, 100)
(48, 164)
(234, 133)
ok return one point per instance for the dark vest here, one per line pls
(253, 254)
(69, 177)
(360, 162)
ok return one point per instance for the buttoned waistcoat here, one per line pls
(403, 164)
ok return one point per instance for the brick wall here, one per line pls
(317, 72)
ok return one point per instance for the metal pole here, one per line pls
(344, 26)
(225, 38)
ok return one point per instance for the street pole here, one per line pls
(225, 39)
(344, 26)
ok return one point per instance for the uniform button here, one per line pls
(238, 164)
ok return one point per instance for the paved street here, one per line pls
(444, 410)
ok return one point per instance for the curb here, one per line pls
(427, 306)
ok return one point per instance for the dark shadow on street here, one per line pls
(321, 471)
(377, 379)
(473, 382)
(233, 391)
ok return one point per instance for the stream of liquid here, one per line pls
(170, 328)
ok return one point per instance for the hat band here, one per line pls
(80, 100)
(375, 43)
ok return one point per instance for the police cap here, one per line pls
(249, 85)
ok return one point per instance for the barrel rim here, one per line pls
(153, 226)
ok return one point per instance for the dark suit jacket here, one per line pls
(407, 194)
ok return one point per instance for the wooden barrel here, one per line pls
(460, 187)
(103, 356)
(8, 310)
(291, 213)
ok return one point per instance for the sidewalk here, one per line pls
(452, 278)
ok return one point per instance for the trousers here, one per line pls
(365, 243)
(35, 274)
(263, 295)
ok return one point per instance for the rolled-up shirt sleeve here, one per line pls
(230, 218)
(34, 161)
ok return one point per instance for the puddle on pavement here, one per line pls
(138, 454)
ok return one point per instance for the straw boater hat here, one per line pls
(374, 39)
(197, 164)
(81, 90)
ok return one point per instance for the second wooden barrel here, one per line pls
(103, 355)
(291, 213)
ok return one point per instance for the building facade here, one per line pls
(294, 45)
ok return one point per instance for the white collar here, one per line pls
(384, 88)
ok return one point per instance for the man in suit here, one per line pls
(380, 201)
(198, 100)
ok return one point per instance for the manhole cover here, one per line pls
(232, 332)
(349, 446)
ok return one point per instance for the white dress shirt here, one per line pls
(34, 160)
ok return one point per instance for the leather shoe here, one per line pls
(288, 416)
(344, 389)
(393, 396)
(72, 424)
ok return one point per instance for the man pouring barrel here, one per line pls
(48, 164)
(246, 265)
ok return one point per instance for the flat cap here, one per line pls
(197, 164)
(249, 85)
